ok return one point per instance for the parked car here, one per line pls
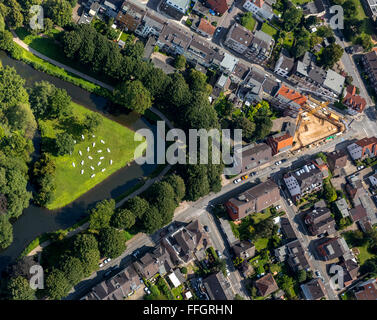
(218, 29)
(206, 229)
(227, 272)
(253, 173)
(290, 202)
(107, 260)
(101, 265)
(278, 207)
(230, 9)
(278, 162)
(244, 177)
(219, 254)
(237, 180)
(147, 291)
(360, 167)
(320, 236)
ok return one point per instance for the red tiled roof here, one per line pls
(292, 95)
(220, 6)
(353, 100)
(206, 27)
(367, 142)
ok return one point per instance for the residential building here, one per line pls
(255, 199)
(109, 8)
(238, 38)
(203, 27)
(332, 248)
(182, 244)
(266, 285)
(354, 102)
(314, 9)
(294, 254)
(285, 64)
(358, 213)
(350, 269)
(240, 72)
(176, 278)
(219, 6)
(118, 287)
(151, 25)
(157, 261)
(174, 39)
(367, 290)
(307, 75)
(370, 67)
(337, 160)
(218, 287)
(289, 100)
(313, 290)
(319, 220)
(373, 179)
(370, 7)
(307, 179)
(94, 8)
(260, 48)
(287, 228)
(363, 148)
(342, 206)
(130, 16)
(175, 8)
(243, 249)
(252, 156)
(280, 142)
(259, 7)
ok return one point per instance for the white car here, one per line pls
(237, 180)
(278, 162)
(290, 202)
(101, 265)
(107, 260)
(227, 272)
(360, 167)
(278, 207)
(147, 291)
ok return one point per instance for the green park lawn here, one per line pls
(258, 217)
(70, 183)
(268, 29)
(364, 254)
(261, 244)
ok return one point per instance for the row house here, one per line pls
(289, 100)
(370, 8)
(284, 65)
(203, 27)
(337, 160)
(314, 8)
(307, 75)
(219, 6)
(294, 254)
(307, 179)
(370, 67)
(332, 248)
(280, 142)
(363, 148)
(314, 289)
(255, 199)
(151, 25)
(319, 220)
(130, 16)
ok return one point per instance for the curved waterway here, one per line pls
(35, 220)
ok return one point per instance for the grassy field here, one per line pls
(248, 23)
(364, 254)
(70, 183)
(268, 29)
(261, 244)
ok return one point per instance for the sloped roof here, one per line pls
(206, 26)
(292, 95)
(266, 285)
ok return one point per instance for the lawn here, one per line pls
(258, 217)
(70, 183)
(268, 29)
(248, 22)
(288, 40)
(261, 244)
(364, 254)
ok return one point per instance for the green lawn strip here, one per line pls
(258, 217)
(70, 184)
(300, 2)
(250, 24)
(364, 254)
(269, 30)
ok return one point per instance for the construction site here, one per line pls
(315, 125)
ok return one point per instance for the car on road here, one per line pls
(206, 229)
(106, 260)
(278, 207)
(219, 254)
(218, 29)
(278, 162)
(290, 202)
(230, 9)
(360, 167)
(237, 180)
(253, 173)
(320, 236)
(227, 272)
(147, 291)
(244, 177)
(319, 275)
(101, 265)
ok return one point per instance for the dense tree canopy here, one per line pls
(6, 232)
(101, 214)
(57, 285)
(123, 219)
(72, 268)
(111, 242)
(18, 288)
(85, 248)
(60, 11)
(133, 95)
(138, 206)
(64, 144)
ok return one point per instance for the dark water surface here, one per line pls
(35, 220)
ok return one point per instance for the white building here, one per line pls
(259, 7)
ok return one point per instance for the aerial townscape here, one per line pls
(82, 79)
